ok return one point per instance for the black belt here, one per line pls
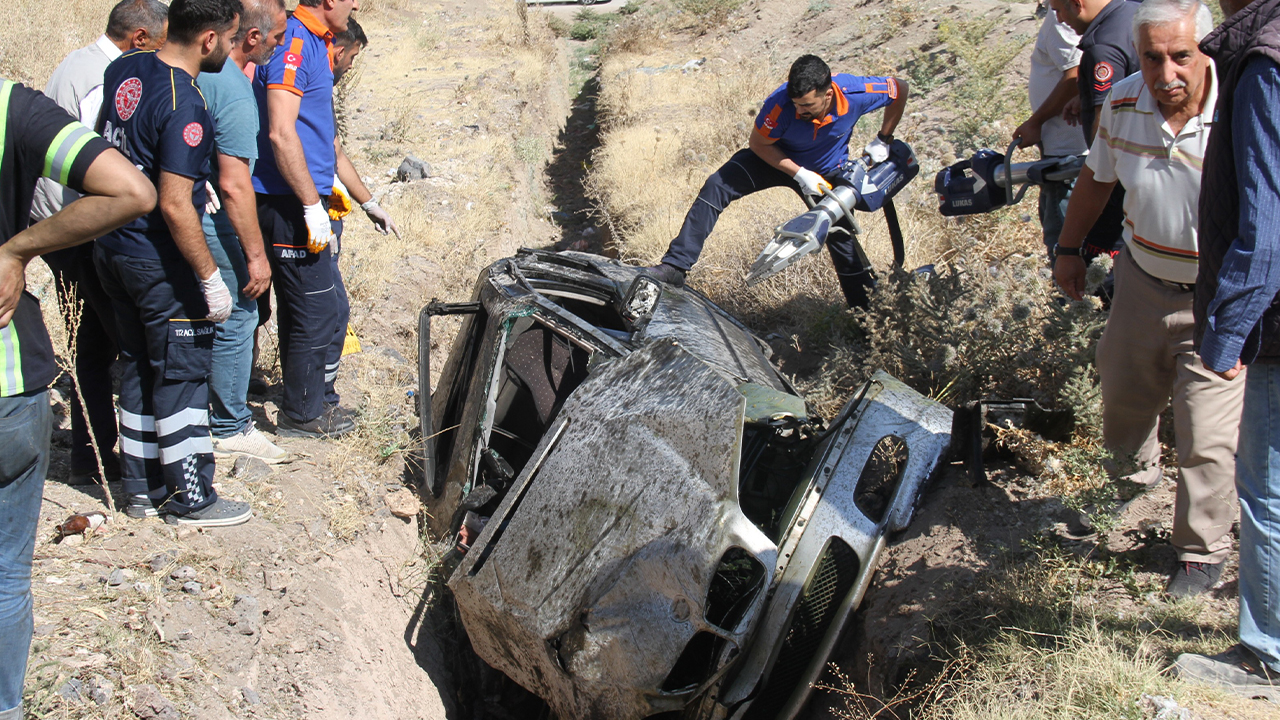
(1180, 287)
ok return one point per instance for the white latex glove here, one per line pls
(319, 231)
(811, 183)
(877, 150)
(217, 297)
(211, 203)
(380, 218)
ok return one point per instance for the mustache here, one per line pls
(1171, 85)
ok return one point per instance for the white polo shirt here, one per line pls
(1160, 173)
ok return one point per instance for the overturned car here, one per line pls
(654, 526)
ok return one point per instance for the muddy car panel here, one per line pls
(668, 533)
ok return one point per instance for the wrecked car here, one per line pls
(654, 524)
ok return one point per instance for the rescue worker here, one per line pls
(800, 141)
(1107, 56)
(299, 156)
(76, 85)
(39, 139)
(163, 282)
(233, 234)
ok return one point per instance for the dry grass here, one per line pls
(36, 35)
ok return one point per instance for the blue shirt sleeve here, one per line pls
(1250, 274)
(773, 119)
(236, 128)
(186, 142)
(867, 94)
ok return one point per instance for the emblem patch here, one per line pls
(192, 134)
(1102, 72)
(292, 60)
(127, 97)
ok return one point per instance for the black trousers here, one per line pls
(745, 173)
(166, 342)
(333, 358)
(96, 348)
(306, 304)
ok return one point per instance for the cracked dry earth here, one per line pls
(313, 608)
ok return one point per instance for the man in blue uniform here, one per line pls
(801, 139)
(39, 139)
(164, 284)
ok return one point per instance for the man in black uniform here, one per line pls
(39, 139)
(164, 284)
(1106, 41)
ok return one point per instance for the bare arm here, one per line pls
(349, 177)
(291, 160)
(1029, 132)
(115, 194)
(1088, 199)
(184, 223)
(893, 113)
(240, 204)
(767, 151)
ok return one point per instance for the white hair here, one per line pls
(1165, 12)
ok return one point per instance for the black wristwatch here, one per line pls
(886, 139)
(1059, 251)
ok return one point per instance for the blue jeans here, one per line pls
(26, 425)
(1258, 482)
(229, 412)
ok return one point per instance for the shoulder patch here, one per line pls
(1103, 72)
(127, 97)
(192, 134)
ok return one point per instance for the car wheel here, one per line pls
(586, 2)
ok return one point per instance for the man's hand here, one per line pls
(259, 276)
(877, 150)
(319, 231)
(1231, 374)
(1027, 134)
(211, 204)
(13, 279)
(1071, 111)
(811, 183)
(380, 218)
(217, 297)
(1068, 271)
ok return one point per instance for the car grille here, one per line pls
(834, 577)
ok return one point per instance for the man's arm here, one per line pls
(766, 150)
(115, 194)
(291, 160)
(240, 204)
(184, 223)
(1088, 200)
(893, 113)
(1250, 274)
(1028, 133)
(380, 218)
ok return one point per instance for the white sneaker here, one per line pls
(251, 443)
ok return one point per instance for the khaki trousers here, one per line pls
(1146, 362)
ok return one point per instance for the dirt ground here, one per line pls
(319, 607)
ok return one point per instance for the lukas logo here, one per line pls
(127, 97)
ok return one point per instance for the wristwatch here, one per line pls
(1059, 250)
(886, 139)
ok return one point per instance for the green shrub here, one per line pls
(559, 26)
(631, 8)
(707, 14)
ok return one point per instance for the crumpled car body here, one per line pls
(654, 525)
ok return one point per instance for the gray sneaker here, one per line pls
(1237, 671)
(1193, 578)
(222, 513)
(140, 506)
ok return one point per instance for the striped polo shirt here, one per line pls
(1160, 173)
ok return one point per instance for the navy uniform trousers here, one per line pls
(745, 173)
(166, 343)
(306, 305)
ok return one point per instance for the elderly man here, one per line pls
(1151, 138)
(800, 141)
(1238, 321)
(76, 85)
(233, 235)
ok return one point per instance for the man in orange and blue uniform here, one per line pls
(294, 174)
(801, 141)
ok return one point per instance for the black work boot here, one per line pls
(330, 424)
(1193, 578)
(668, 274)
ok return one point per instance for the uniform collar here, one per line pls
(308, 18)
(842, 107)
(107, 47)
